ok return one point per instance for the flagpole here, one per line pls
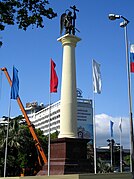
(121, 147)
(96, 77)
(111, 153)
(5, 161)
(94, 128)
(52, 89)
(49, 123)
(130, 109)
(49, 134)
(111, 142)
(130, 101)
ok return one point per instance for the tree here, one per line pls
(127, 160)
(24, 13)
(103, 167)
(54, 135)
(11, 147)
(22, 152)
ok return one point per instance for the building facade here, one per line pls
(48, 117)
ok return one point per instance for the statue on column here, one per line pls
(67, 21)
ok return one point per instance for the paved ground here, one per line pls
(81, 176)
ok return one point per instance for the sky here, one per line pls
(101, 39)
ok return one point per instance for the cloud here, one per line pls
(103, 130)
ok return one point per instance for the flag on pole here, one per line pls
(132, 58)
(111, 128)
(120, 125)
(53, 78)
(96, 77)
(15, 84)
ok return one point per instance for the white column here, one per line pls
(68, 107)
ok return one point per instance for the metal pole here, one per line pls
(130, 104)
(94, 129)
(121, 151)
(5, 161)
(49, 136)
(49, 141)
(124, 25)
(111, 145)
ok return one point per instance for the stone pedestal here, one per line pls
(68, 156)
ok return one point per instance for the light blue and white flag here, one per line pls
(96, 77)
(120, 125)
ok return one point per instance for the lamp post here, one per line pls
(124, 25)
(111, 144)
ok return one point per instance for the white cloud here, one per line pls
(103, 130)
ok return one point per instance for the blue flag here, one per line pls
(15, 84)
(111, 128)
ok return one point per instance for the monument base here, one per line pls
(68, 156)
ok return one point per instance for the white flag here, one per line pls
(96, 77)
(120, 125)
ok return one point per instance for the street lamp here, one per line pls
(111, 143)
(124, 25)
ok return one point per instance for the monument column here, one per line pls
(68, 109)
(68, 152)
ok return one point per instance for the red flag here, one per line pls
(53, 78)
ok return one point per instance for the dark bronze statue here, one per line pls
(67, 21)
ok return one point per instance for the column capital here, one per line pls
(69, 39)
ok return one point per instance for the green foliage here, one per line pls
(24, 13)
(54, 135)
(127, 160)
(21, 152)
(103, 167)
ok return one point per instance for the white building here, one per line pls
(40, 116)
